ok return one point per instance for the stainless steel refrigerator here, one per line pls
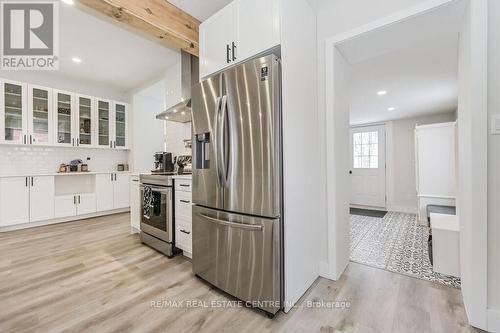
(237, 182)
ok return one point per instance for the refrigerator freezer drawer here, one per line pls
(240, 255)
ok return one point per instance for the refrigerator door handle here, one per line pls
(254, 227)
(223, 147)
(216, 137)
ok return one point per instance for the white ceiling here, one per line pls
(416, 62)
(111, 53)
(201, 9)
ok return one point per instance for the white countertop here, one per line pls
(63, 174)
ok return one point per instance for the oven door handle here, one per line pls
(156, 189)
(255, 227)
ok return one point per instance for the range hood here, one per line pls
(181, 112)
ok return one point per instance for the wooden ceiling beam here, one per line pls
(157, 18)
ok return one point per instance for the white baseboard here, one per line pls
(402, 209)
(493, 321)
(367, 207)
(62, 220)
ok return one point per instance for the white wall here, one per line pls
(494, 163)
(150, 135)
(300, 142)
(472, 160)
(401, 173)
(176, 134)
(147, 131)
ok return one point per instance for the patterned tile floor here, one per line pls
(396, 243)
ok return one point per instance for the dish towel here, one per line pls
(148, 202)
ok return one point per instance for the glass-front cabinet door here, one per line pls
(65, 118)
(85, 123)
(13, 120)
(103, 123)
(120, 121)
(39, 115)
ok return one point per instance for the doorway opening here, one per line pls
(402, 78)
(425, 26)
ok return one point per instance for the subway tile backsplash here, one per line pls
(33, 160)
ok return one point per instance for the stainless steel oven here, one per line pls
(156, 213)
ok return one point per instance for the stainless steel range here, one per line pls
(157, 229)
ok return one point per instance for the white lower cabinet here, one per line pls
(183, 216)
(86, 204)
(26, 199)
(135, 204)
(41, 198)
(121, 191)
(65, 206)
(15, 201)
(74, 205)
(112, 191)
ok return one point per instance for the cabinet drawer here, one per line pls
(183, 237)
(183, 208)
(183, 185)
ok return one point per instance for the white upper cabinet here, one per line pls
(258, 27)
(37, 115)
(40, 119)
(216, 35)
(239, 31)
(13, 112)
(103, 133)
(85, 124)
(120, 125)
(65, 117)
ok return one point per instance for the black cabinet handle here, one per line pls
(184, 231)
(234, 47)
(31, 181)
(350, 172)
(26, 179)
(25, 141)
(31, 139)
(74, 200)
(111, 177)
(186, 201)
(184, 185)
(228, 49)
(78, 199)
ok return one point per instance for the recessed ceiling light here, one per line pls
(392, 108)
(68, 2)
(76, 60)
(381, 92)
(166, 117)
(183, 113)
(175, 111)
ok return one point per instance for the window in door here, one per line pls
(365, 150)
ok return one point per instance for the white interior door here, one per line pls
(368, 166)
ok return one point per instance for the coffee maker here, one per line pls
(163, 163)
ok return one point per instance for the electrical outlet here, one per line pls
(495, 124)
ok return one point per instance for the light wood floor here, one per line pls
(93, 276)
